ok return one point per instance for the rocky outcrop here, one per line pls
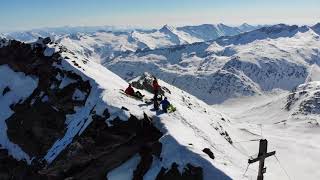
(40, 119)
(17, 170)
(145, 82)
(102, 148)
(189, 173)
(304, 99)
(5, 90)
(209, 153)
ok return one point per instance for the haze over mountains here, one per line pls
(201, 32)
(231, 86)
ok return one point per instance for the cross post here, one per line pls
(263, 154)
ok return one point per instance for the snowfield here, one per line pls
(293, 136)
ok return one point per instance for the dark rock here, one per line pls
(102, 148)
(209, 152)
(190, 172)
(124, 108)
(40, 118)
(16, 170)
(145, 82)
(40, 125)
(144, 164)
(46, 40)
(5, 90)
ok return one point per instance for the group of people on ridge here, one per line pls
(156, 88)
(165, 103)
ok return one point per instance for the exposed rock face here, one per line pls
(304, 99)
(145, 82)
(98, 150)
(5, 90)
(40, 119)
(189, 173)
(312, 105)
(270, 74)
(101, 148)
(17, 170)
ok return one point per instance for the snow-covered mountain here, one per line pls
(305, 99)
(279, 56)
(268, 32)
(245, 27)
(107, 42)
(107, 45)
(34, 34)
(64, 116)
(207, 32)
(190, 34)
(316, 28)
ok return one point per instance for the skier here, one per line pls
(165, 104)
(156, 88)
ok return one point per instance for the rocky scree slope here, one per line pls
(304, 100)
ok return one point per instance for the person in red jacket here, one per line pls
(156, 88)
(129, 90)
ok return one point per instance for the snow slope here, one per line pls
(289, 121)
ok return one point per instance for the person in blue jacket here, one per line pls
(165, 104)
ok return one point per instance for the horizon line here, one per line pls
(133, 27)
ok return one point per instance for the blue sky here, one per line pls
(28, 14)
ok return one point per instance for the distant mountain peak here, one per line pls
(222, 25)
(278, 28)
(245, 24)
(166, 27)
(317, 25)
(316, 28)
